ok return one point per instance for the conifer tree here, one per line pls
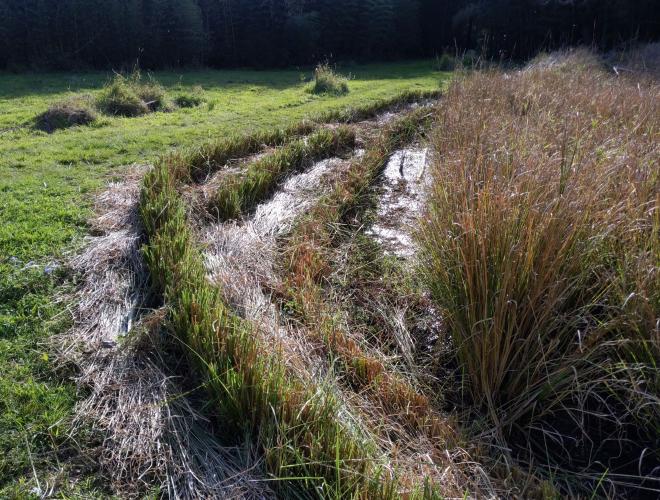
(379, 27)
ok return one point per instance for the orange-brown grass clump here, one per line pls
(541, 246)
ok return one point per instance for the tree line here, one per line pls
(63, 34)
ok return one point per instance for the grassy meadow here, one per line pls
(47, 183)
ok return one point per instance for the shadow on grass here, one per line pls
(16, 85)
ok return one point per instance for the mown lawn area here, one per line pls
(47, 182)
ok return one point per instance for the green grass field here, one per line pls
(47, 182)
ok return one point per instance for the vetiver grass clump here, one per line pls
(123, 96)
(119, 98)
(152, 95)
(327, 81)
(542, 249)
(77, 110)
(243, 191)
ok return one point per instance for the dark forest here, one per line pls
(65, 34)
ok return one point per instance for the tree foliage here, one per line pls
(163, 33)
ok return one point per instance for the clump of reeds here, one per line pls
(119, 98)
(131, 95)
(542, 249)
(125, 95)
(328, 81)
(189, 98)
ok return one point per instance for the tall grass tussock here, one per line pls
(131, 96)
(127, 96)
(328, 81)
(541, 246)
(76, 110)
(188, 98)
(119, 98)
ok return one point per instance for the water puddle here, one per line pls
(404, 181)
